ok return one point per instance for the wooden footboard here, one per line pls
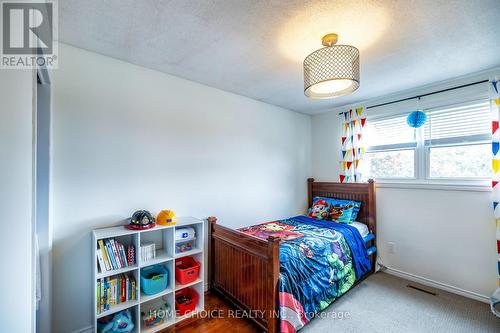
(245, 270)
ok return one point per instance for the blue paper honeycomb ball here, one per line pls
(416, 119)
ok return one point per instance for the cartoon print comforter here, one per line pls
(319, 261)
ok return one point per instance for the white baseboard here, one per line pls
(437, 285)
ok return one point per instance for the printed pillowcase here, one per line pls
(319, 209)
(337, 210)
(343, 211)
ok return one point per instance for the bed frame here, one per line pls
(244, 269)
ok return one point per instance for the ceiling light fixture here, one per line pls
(332, 71)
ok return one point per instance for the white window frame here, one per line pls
(402, 147)
(422, 178)
(396, 147)
(462, 180)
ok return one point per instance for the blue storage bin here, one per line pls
(154, 279)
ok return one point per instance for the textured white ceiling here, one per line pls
(255, 48)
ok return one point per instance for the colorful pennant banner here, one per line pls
(352, 145)
(495, 163)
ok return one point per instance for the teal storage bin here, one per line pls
(154, 279)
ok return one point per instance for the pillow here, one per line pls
(343, 211)
(349, 208)
(319, 209)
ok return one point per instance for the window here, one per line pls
(391, 148)
(458, 141)
(453, 145)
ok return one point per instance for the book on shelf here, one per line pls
(114, 247)
(98, 289)
(111, 255)
(148, 251)
(123, 256)
(115, 290)
(100, 259)
(116, 263)
(130, 254)
(127, 287)
(123, 290)
(104, 254)
(123, 261)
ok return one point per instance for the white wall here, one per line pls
(442, 235)
(125, 138)
(16, 149)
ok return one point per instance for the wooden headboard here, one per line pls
(362, 192)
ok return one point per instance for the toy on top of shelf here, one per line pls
(166, 217)
(141, 219)
(120, 323)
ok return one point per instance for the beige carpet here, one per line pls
(383, 303)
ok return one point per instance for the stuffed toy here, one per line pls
(121, 323)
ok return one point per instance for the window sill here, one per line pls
(479, 187)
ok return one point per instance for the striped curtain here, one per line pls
(495, 145)
(352, 149)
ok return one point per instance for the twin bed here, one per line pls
(284, 272)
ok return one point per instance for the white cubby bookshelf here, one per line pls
(164, 239)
